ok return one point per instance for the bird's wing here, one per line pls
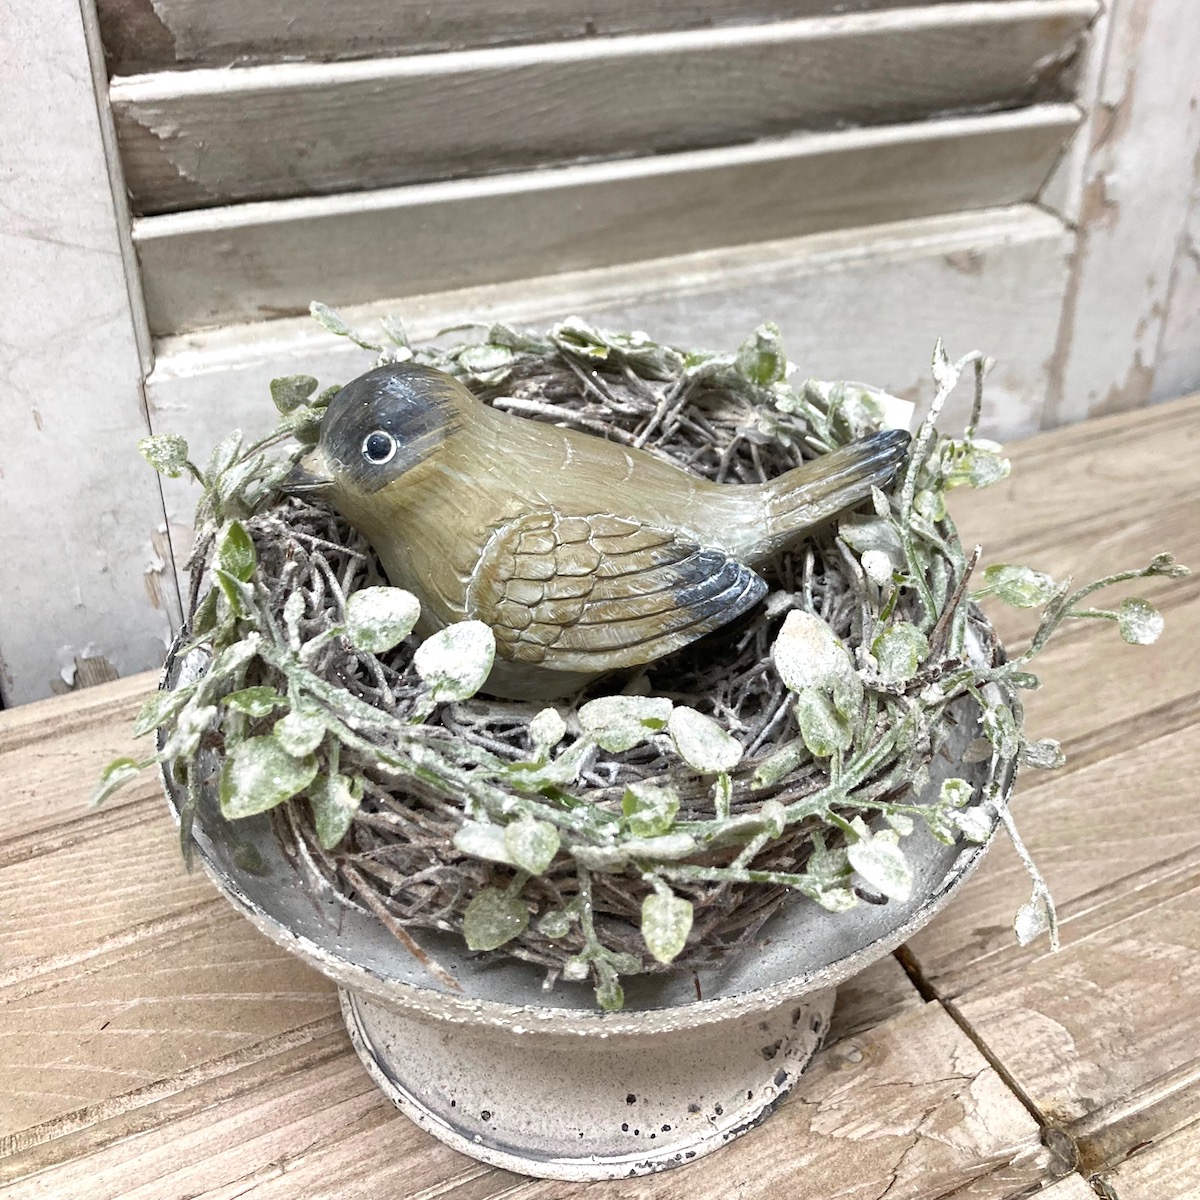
(596, 592)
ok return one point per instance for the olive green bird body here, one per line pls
(583, 555)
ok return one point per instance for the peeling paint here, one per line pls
(1132, 392)
(966, 262)
(37, 418)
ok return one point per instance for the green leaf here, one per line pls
(649, 810)
(299, 733)
(610, 995)
(118, 773)
(617, 723)
(701, 742)
(955, 793)
(260, 774)
(456, 661)
(190, 725)
(1139, 622)
(760, 357)
(808, 655)
(254, 701)
(863, 534)
(335, 800)
(223, 455)
(379, 618)
(204, 620)
(160, 708)
(493, 918)
(883, 865)
(1019, 586)
(167, 453)
(1000, 728)
(240, 595)
(486, 842)
(1032, 920)
(487, 364)
(531, 844)
(666, 923)
(235, 551)
(975, 823)
(554, 924)
(899, 651)
(977, 463)
(822, 727)
(329, 319)
(835, 899)
(780, 764)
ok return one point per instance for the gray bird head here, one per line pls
(376, 428)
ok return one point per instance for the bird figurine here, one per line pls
(583, 555)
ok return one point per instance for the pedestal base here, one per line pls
(561, 1106)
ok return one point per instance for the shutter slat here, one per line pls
(206, 138)
(250, 262)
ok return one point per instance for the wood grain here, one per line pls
(1165, 1171)
(150, 35)
(250, 261)
(206, 138)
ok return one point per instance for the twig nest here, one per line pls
(658, 819)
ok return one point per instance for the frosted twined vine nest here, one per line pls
(659, 818)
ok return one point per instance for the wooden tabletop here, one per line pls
(153, 1045)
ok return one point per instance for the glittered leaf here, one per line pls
(617, 723)
(1139, 622)
(260, 774)
(547, 729)
(976, 823)
(807, 654)
(1019, 586)
(760, 357)
(161, 707)
(956, 793)
(1032, 920)
(883, 865)
(300, 733)
(235, 551)
(701, 742)
(666, 923)
(167, 453)
(335, 800)
(487, 364)
(379, 618)
(493, 918)
(254, 701)
(456, 661)
(531, 844)
(483, 841)
(822, 727)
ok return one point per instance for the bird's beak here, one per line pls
(311, 476)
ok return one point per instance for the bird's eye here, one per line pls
(379, 447)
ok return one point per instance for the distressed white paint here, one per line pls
(1135, 194)
(858, 304)
(80, 509)
(1177, 369)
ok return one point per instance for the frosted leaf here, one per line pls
(975, 823)
(260, 774)
(487, 842)
(835, 899)
(379, 618)
(883, 865)
(235, 551)
(335, 800)
(864, 534)
(1019, 586)
(899, 651)
(669, 847)
(555, 924)
(649, 810)
(945, 373)
(299, 733)
(877, 567)
(1032, 920)
(617, 723)
(956, 793)
(161, 707)
(610, 995)
(493, 918)
(547, 729)
(531, 844)
(1047, 754)
(487, 364)
(190, 726)
(774, 817)
(760, 357)
(902, 823)
(118, 773)
(456, 661)
(666, 923)
(783, 762)
(807, 654)
(1139, 622)
(167, 453)
(254, 701)
(822, 727)
(575, 970)
(701, 742)
(292, 391)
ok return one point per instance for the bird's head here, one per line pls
(377, 429)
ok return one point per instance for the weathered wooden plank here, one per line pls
(204, 138)
(79, 571)
(149, 35)
(875, 995)
(249, 261)
(1177, 369)
(71, 1039)
(1137, 183)
(1101, 1022)
(1166, 1171)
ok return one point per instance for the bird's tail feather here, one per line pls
(811, 494)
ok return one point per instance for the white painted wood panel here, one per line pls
(1136, 187)
(148, 35)
(247, 262)
(863, 304)
(1177, 368)
(83, 560)
(210, 137)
